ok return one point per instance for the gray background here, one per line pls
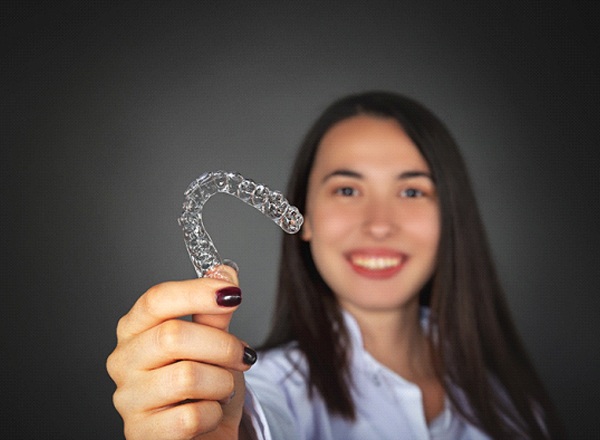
(109, 111)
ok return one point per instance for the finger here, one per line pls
(233, 408)
(172, 300)
(176, 383)
(176, 340)
(178, 422)
(226, 273)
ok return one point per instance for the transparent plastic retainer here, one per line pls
(200, 247)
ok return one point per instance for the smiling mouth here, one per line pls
(375, 263)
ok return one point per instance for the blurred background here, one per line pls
(110, 109)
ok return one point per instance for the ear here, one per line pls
(306, 232)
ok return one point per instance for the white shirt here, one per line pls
(387, 406)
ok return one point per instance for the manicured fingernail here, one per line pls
(250, 356)
(229, 296)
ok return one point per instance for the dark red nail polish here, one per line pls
(250, 356)
(229, 296)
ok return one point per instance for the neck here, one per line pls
(396, 339)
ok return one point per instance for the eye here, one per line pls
(346, 191)
(412, 193)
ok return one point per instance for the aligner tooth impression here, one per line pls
(200, 247)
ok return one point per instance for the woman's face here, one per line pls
(372, 215)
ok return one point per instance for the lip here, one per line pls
(376, 263)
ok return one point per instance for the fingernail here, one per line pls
(231, 264)
(229, 296)
(250, 356)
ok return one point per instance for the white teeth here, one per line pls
(376, 263)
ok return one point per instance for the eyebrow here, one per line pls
(356, 175)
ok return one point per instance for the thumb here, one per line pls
(228, 285)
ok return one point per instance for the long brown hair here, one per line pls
(478, 352)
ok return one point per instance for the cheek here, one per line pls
(329, 225)
(423, 226)
(429, 231)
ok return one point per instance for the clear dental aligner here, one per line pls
(273, 204)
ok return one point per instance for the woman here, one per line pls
(390, 321)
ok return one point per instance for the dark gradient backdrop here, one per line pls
(109, 111)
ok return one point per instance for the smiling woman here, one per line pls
(360, 223)
(389, 323)
(391, 282)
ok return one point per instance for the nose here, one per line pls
(380, 222)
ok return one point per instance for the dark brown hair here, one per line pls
(478, 349)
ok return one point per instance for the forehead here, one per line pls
(368, 142)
